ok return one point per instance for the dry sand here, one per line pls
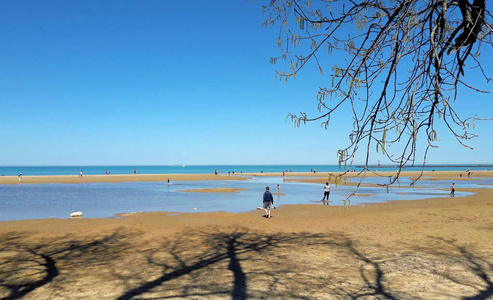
(438, 248)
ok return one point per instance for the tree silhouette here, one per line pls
(25, 267)
(405, 65)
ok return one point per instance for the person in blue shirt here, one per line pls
(268, 202)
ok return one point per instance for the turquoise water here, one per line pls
(101, 200)
(205, 169)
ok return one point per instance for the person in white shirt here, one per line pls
(326, 191)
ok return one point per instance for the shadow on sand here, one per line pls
(237, 263)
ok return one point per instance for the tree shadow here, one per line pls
(26, 266)
(237, 263)
(246, 264)
(186, 254)
(479, 270)
(372, 274)
(480, 267)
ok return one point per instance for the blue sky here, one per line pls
(163, 83)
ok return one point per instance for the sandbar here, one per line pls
(116, 178)
(350, 178)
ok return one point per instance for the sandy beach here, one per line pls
(319, 177)
(116, 178)
(439, 248)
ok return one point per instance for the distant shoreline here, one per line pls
(290, 176)
(431, 166)
(211, 169)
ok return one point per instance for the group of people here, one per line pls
(268, 199)
(232, 172)
(216, 172)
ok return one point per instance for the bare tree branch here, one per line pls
(406, 61)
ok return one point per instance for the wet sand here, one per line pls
(116, 178)
(439, 248)
(320, 177)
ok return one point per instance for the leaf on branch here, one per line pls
(313, 45)
(432, 136)
(301, 21)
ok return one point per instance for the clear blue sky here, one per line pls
(163, 83)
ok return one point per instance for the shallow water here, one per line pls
(99, 200)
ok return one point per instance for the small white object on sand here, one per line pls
(77, 214)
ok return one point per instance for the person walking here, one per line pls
(268, 202)
(278, 188)
(326, 192)
(20, 177)
(452, 190)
